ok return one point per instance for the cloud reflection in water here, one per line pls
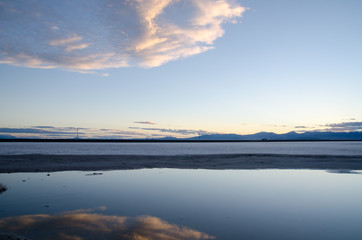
(81, 224)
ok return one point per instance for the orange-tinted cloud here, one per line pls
(84, 225)
(89, 36)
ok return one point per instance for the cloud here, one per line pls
(87, 36)
(84, 225)
(177, 131)
(276, 125)
(103, 133)
(349, 119)
(34, 130)
(71, 132)
(174, 131)
(65, 41)
(344, 126)
(300, 127)
(145, 122)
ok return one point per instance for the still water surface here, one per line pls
(183, 204)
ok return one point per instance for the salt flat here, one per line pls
(47, 163)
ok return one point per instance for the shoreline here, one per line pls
(53, 163)
(166, 141)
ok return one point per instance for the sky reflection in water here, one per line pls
(226, 204)
(82, 224)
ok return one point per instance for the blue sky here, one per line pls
(125, 69)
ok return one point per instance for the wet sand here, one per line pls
(51, 163)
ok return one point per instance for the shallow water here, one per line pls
(305, 148)
(225, 204)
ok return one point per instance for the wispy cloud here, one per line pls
(177, 131)
(276, 125)
(71, 132)
(87, 36)
(106, 133)
(35, 131)
(65, 41)
(145, 122)
(344, 126)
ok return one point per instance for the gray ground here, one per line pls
(48, 163)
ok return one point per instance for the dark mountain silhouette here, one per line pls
(285, 136)
(6, 136)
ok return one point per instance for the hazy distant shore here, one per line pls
(172, 141)
(50, 163)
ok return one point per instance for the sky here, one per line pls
(157, 68)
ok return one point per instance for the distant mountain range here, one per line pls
(290, 136)
(6, 136)
(284, 136)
